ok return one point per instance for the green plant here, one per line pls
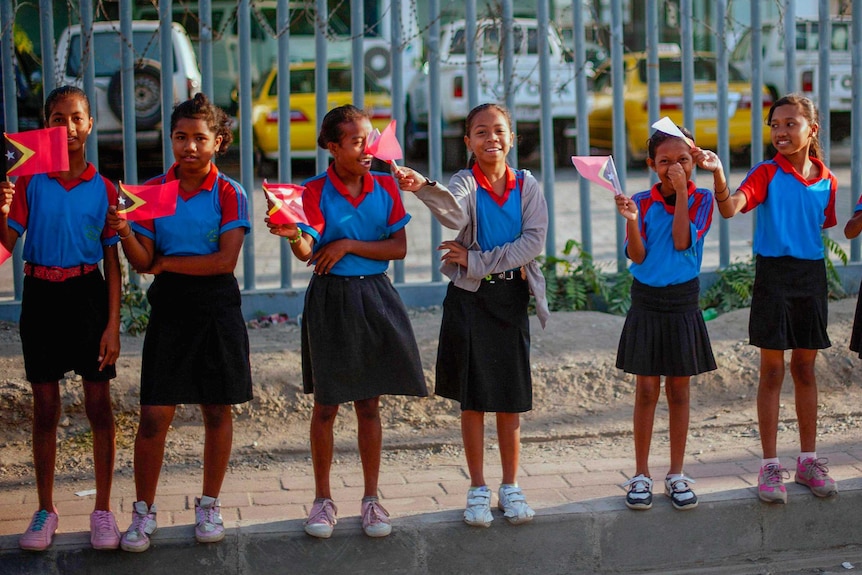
(836, 290)
(732, 289)
(134, 309)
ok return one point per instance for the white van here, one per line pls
(807, 65)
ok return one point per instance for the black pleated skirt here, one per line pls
(664, 332)
(357, 341)
(196, 348)
(789, 304)
(856, 335)
(483, 360)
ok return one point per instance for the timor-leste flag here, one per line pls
(138, 203)
(599, 169)
(285, 203)
(37, 152)
(4, 254)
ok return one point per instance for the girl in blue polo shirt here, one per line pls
(196, 348)
(357, 341)
(664, 333)
(795, 194)
(70, 314)
(483, 359)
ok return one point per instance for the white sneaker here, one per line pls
(513, 504)
(478, 511)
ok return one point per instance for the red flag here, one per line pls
(37, 152)
(138, 203)
(4, 254)
(385, 146)
(286, 201)
(599, 169)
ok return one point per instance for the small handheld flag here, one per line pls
(4, 254)
(384, 145)
(599, 169)
(37, 152)
(667, 126)
(138, 203)
(286, 201)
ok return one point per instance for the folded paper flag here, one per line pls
(667, 126)
(385, 146)
(599, 169)
(285, 202)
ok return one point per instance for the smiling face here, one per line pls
(490, 136)
(349, 151)
(671, 152)
(194, 144)
(72, 112)
(792, 132)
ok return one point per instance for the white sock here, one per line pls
(207, 501)
(807, 455)
(767, 461)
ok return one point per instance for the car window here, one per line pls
(105, 50)
(670, 71)
(340, 80)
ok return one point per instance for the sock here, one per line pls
(767, 461)
(479, 488)
(673, 476)
(807, 455)
(207, 501)
(509, 484)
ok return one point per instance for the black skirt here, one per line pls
(357, 341)
(856, 335)
(483, 360)
(664, 332)
(196, 348)
(789, 304)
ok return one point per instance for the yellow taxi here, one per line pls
(636, 97)
(303, 118)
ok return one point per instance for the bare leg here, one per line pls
(370, 439)
(677, 391)
(769, 399)
(100, 412)
(322, 421)
(509, 438)
(473, 435)
(46, 417)
(805, 390)
(646, 398)
(218, 439)
(150, 449)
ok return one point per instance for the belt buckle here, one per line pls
(508, 275)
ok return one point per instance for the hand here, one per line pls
(626, 207)
(409, 180)
(678, 178)
(706, 159)
(7, 191)
(109, 348)
(329, 255)
(289, 231)
(117, 223)
(455, 253)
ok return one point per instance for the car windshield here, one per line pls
(670, 71)
(340, 80)
(106, 49)
(492, 41)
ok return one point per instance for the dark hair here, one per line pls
(809, 110)
(330, 128)
(658, 138)
(62, 93)
(200, 108)
(471, 117)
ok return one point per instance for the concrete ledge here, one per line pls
(729, 532)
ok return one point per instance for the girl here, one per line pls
(357, 341)
(664, 332)
(796, 193)
(483, 360)
(70, 314)
(196, 348)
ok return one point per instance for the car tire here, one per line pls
(147, 91)
(564, 147)
(378, 62)
(454, 154)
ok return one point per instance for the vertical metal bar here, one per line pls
(470, 52)
(127, 79)
(89, 74)
(619, 119)
(205, 44)
(321, 78)
(246, 165)
(357, 51)
(46, 29)
(723, 151)
(397, 97)
(687, 42)
(757, 125)
(285, 170)
(10, 111)
(790, 46)
(435, 135)
(582, 120)
(824, 77)
(506, 31)
(653, 64)
(546, 129)
(166, 49)
(856, 120)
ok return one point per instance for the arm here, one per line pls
(728, 204)
(392, 248)
(109, 346)
(446, 208)
(635, 247)
(222, 261)
(300, 244)
(139, 250)
(8, 236)
(854, 226)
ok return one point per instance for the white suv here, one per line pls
(108, 105)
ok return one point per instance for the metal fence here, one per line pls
(400, 35)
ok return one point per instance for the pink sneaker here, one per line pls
(209, 526)
(40, 533)
(770, 483)
(137, 538)
(814, 474)
(322, 518)
(375, 519)
(104, 533)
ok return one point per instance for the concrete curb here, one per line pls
(729, 532)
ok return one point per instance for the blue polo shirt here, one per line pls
(498, 217)
(333, 215)
(664, 265)
(202, 215)
(65, 220)
(793, 211)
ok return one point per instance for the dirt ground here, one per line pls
(581, 400)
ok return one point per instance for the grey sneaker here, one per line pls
(137, 538)
(639, 495)
(514, 506)
(478, 511)
(678, 488)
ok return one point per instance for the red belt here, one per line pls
(57, 274)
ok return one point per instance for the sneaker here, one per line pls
(40, 533)
(478, 511)
(814, 474)
(375, 519)
(770, 483)
(321, 520)
(137, 538)
(513, 504)
(104, 533)
(640, 492)
(209, 526)
(677, 487)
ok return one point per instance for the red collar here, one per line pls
(482, 182)
(367, 186)
(88, 174)
(655, 194)
(787, 167)
(207, 184)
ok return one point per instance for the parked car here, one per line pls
(740, 103)
(108, 105)
(303, 116)
(807, 58)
